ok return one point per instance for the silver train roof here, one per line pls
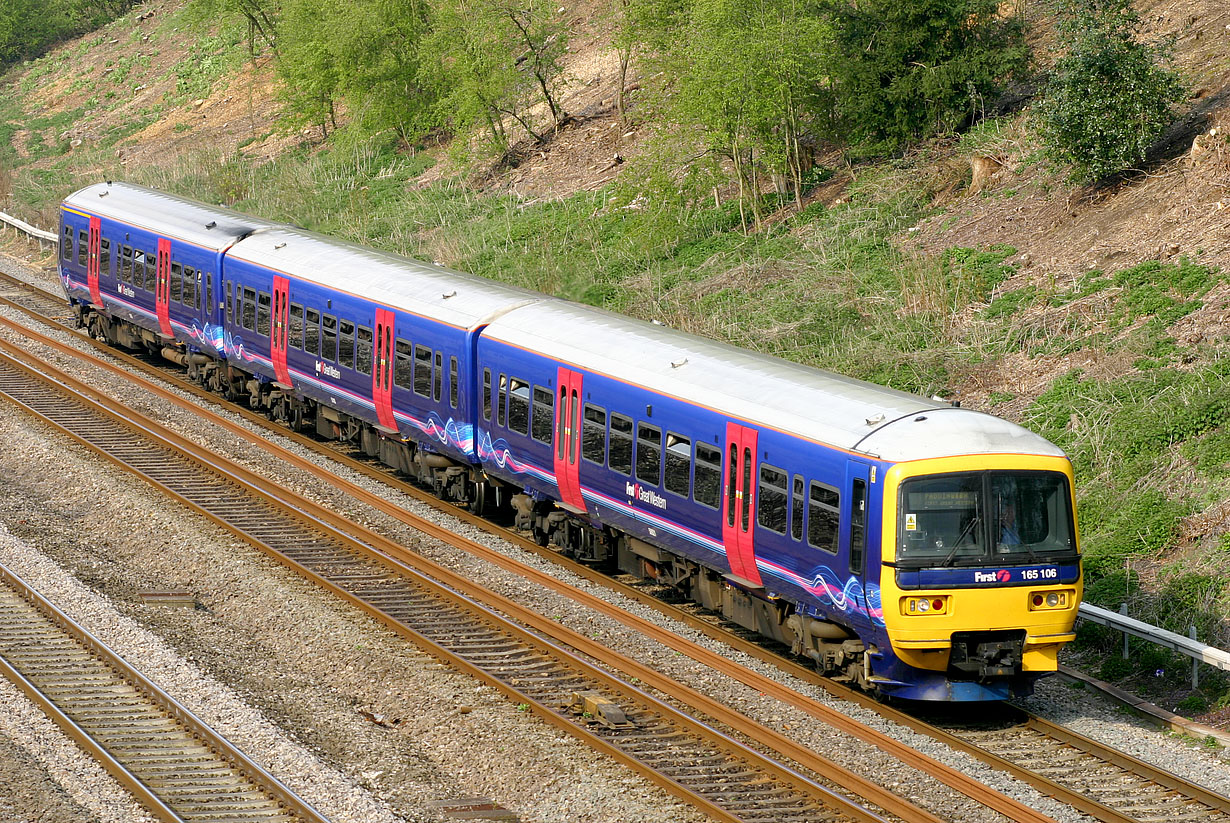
(462, 300)
(840, 411)
(166, 214)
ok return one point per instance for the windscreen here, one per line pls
(980, 518)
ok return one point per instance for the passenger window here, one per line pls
(678, 464)
(83, 246)
(126, 266)
(858, 523)
(771, 508)
(363, 354)
(487, 395)
(139, 277)
(503, 401)
(437, 377)
(104, 257)
(311, 332)
(797, 504)
(190, 287)
(403, 374)
(621, 444)
(248, 309)
(209, 293)
(345, 352)
(328, 337)
(263, 315)
(593, 436)
(230, 317)
(732, 478)
(177, 283)
(66, 243)
(518, 406)
(707, 485)
(422, 371)
(544, 415)
(649, 454)
(296, 326)
(453, 387)
(823, 517)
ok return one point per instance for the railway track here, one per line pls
(1025, 758)
(710, 768)
(172, 762)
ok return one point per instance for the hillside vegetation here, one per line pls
(946, 254)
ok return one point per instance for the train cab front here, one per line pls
(981, 578)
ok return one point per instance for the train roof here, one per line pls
(459, 299)
(214, 227)
(830, 408)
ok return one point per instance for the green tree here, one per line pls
(1111, 95)
(308, 62)
(492, 60)
(904, 71)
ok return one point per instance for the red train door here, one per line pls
(382, 371)
(162, 290)
(568, 438)
(91, 265)
(278, 334)
(739, 503)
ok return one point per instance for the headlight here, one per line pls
(931, 604)
(1042, 601)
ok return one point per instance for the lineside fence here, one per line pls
(44, 238)
(1119, 621)
(1197, 651)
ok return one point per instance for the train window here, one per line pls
(83, 245)
(771, 510)
(142, 274)
(453, 387)
(544, 415)
(104, 257)
(177, 282)
(678, 464)
(247, 309)
(209, 293)
(437, 376)
(263, 314)
(363, 354)
(311, 332)
(126, 264)
(328, 337)
(66, 243)
(296, 326)
(621, 444)
(858, 521)
(487, 395)
(649, 454)
(189, 286)
(422, 371)
(593, 435)
(403, 373)
(732, 486)
(707, 485)
(345, 351)
(518, 406)
(797, 502)
(823, 517)
(503, 401)
(747, 488)
(229, 316)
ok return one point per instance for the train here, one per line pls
(906, 545)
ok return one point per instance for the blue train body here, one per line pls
(786, 498)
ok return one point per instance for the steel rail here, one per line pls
(953, 778)
(147, 795)
(334, 525)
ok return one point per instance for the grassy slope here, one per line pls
(837, 286)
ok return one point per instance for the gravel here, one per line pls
(190, 553)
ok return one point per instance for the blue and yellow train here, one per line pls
(915, 548)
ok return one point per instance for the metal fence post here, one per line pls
(1123, 611)
(1191, 632)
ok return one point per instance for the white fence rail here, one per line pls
(22, 227)
(1197, 651)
